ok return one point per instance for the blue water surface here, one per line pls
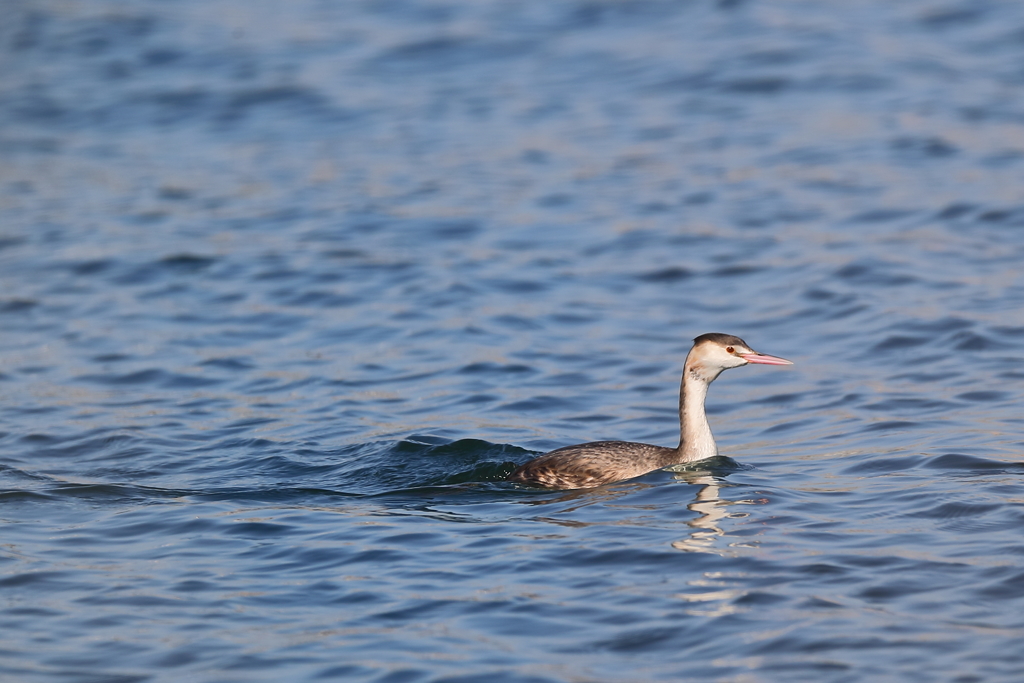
(287, 289)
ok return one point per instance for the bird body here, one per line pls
(602, 462)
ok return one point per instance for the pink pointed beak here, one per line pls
(764, 360)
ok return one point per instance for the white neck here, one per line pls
(695, 439)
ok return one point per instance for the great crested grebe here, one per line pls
(592, 464)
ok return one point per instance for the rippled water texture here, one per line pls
(286, 289)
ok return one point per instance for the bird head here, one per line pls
(714, 352)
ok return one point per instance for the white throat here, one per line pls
(695, 439)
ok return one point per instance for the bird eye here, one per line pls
(729, 349)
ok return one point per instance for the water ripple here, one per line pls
(288, 294)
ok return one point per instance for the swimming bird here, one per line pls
(601, 462)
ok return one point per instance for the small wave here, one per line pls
(411, 463)
(963, 462)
